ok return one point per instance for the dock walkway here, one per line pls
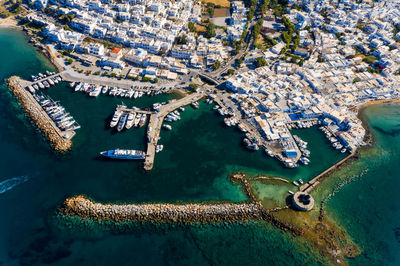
(131, 110)
(155, 123)
(310, 185)
(43, 79)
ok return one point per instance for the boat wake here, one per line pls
(9, 184)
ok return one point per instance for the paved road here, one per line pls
(71, 75)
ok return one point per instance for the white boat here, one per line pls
(137, 119)
(115, 119)
(167, 127)
(159, 148)
(104, 89)
(295, 183)
(269, 152)
(31, 89)
(112, 92)
(95, 92)
(130, 121)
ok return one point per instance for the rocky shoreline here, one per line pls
(36, 113)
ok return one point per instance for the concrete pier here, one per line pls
(28, 83)
(155, 123)
(131, 110)
(310, 185)
(59, 140)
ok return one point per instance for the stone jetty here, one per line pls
(60, 141)
(163, 212)
(84, 208)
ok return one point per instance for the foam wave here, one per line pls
(9, 184)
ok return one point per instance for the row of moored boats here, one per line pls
(96, 90)
(43, 84)
(303, 148)
(303, 124)
(333, 140)
(122, 119)
(63, 120)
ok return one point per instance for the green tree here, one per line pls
(260, 62)
(210, 32)
(181, 39)
(231, 71)
(216, 65)
(370, 59)
(286, 37)
(288, 25)
(193, 87)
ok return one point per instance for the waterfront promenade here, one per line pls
(73, 76)
(155, 123)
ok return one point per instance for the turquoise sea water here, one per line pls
(198, 155)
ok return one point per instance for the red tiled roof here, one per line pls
(115, 50)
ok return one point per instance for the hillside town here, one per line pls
(272, 65)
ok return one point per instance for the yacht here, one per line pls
(115, 119)
(130, 120)
(122, 122)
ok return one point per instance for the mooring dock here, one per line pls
(60, 140)
(155, 123)
(136, 110)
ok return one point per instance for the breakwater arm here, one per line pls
(60, 141)
(162, 212)
(173, 213)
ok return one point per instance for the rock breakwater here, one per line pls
(163, 212)
(171, 213)
(57, 139)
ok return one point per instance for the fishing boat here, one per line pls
(167, 127)
(142, 120)
(159, 148)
